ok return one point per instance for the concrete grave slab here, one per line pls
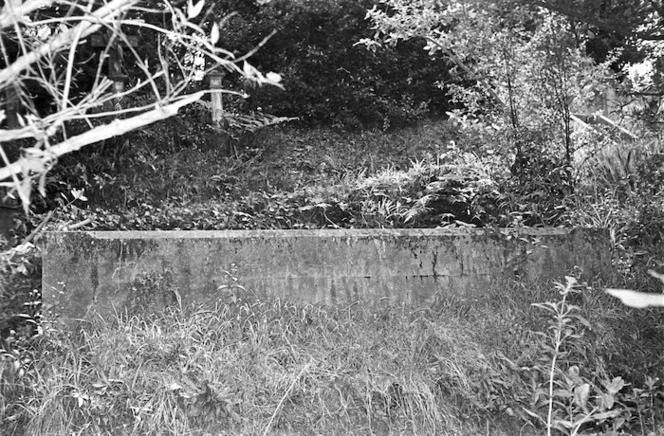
(101, 273)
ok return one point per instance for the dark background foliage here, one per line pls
(328, 78)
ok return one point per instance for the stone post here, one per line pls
(216, 77)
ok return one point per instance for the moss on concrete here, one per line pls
(150, 292)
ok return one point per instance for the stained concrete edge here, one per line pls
(103, 272)
(309, 233)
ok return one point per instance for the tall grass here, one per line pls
(259, 367)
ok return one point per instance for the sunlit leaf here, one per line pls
(615, 385)
(249, 70)
(607, 401)
(78, 194)
(214, 36)
(42, 185)
(273, 78)
(194, 9)
(581, 395)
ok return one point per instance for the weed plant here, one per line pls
(494, 364)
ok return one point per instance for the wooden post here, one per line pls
(115, 60)
(11, 106)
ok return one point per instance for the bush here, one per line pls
(327, 78)
(622, 189)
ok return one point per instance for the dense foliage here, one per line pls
(328, 78)
(515, 150)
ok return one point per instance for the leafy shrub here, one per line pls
(529, 171)
(359, 88)
(566, 397)
(291, 179)
(427, 195)
(622, 189)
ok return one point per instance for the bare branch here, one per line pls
(64, 39)
(9, 14)
(43, 53)
(114, 128)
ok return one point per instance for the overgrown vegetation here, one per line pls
(252, 365)
(456, 368)
(288, 178)
(490, 128)
(359, 89)
(491, 361)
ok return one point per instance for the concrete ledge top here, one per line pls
(310, 233)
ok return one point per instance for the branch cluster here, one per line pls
(52, 75)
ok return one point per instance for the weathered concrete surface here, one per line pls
(101, 272)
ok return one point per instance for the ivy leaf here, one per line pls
(194, 10)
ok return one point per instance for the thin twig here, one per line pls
(85, 222)
(39, 228)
